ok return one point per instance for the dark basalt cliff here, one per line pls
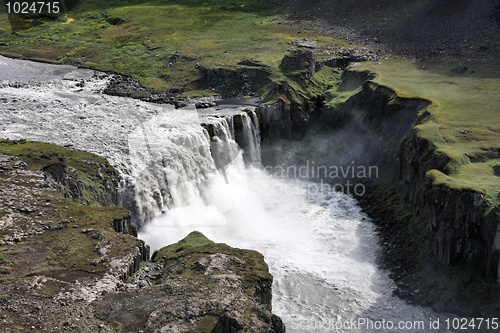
(442, 242)
(461, 227)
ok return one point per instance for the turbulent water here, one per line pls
(321, 249)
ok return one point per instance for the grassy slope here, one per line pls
(465, 116)
(139, 38)
(66, 250)
(91, 171)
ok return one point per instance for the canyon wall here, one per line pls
(429, 222)
(459, 223)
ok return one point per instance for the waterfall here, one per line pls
(165, 157)
(174, 163)
(251, 138)
(256, 137)
(170, 163)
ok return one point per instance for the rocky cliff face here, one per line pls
(68, 266)
(429, 222)
(196, 286)
(460, 226)
(289, 111)
(57, 255)
(433, 231)
(377, 118)
(244, 79)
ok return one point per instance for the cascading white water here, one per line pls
(256, 136)
(320, 248)
(163, 154)
(251, 137)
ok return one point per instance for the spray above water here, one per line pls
(320, 248)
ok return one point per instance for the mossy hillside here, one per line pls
(24, 148)
(194, 239)
(93, 180)
(68, 247)
(160, 42)
(463, 121)
(196, 246)
(63, 238)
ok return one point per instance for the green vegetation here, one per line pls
(161, 41)
(464, 120)
(4, 259)
(85, 184)
(72, 238)
(196, 246)
(194, 239)
(67, 248)
(347, 86)
(207, 323)
(34, 150)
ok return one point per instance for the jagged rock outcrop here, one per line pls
(197, 286)
(300, 62)
(67, 266)
(276, 121)
(245, 79)
(57, 255)
(125, 226)
(287, 114)
(89, 182)
(127, 87)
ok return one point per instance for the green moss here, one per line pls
(73, 233)
(4, 259)
(85, 184)
(34, 150)
(194, 239)
(207, 323)
(4, 270)
(8, 280)
(139, 38)
(463, 122)
(196, 246)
